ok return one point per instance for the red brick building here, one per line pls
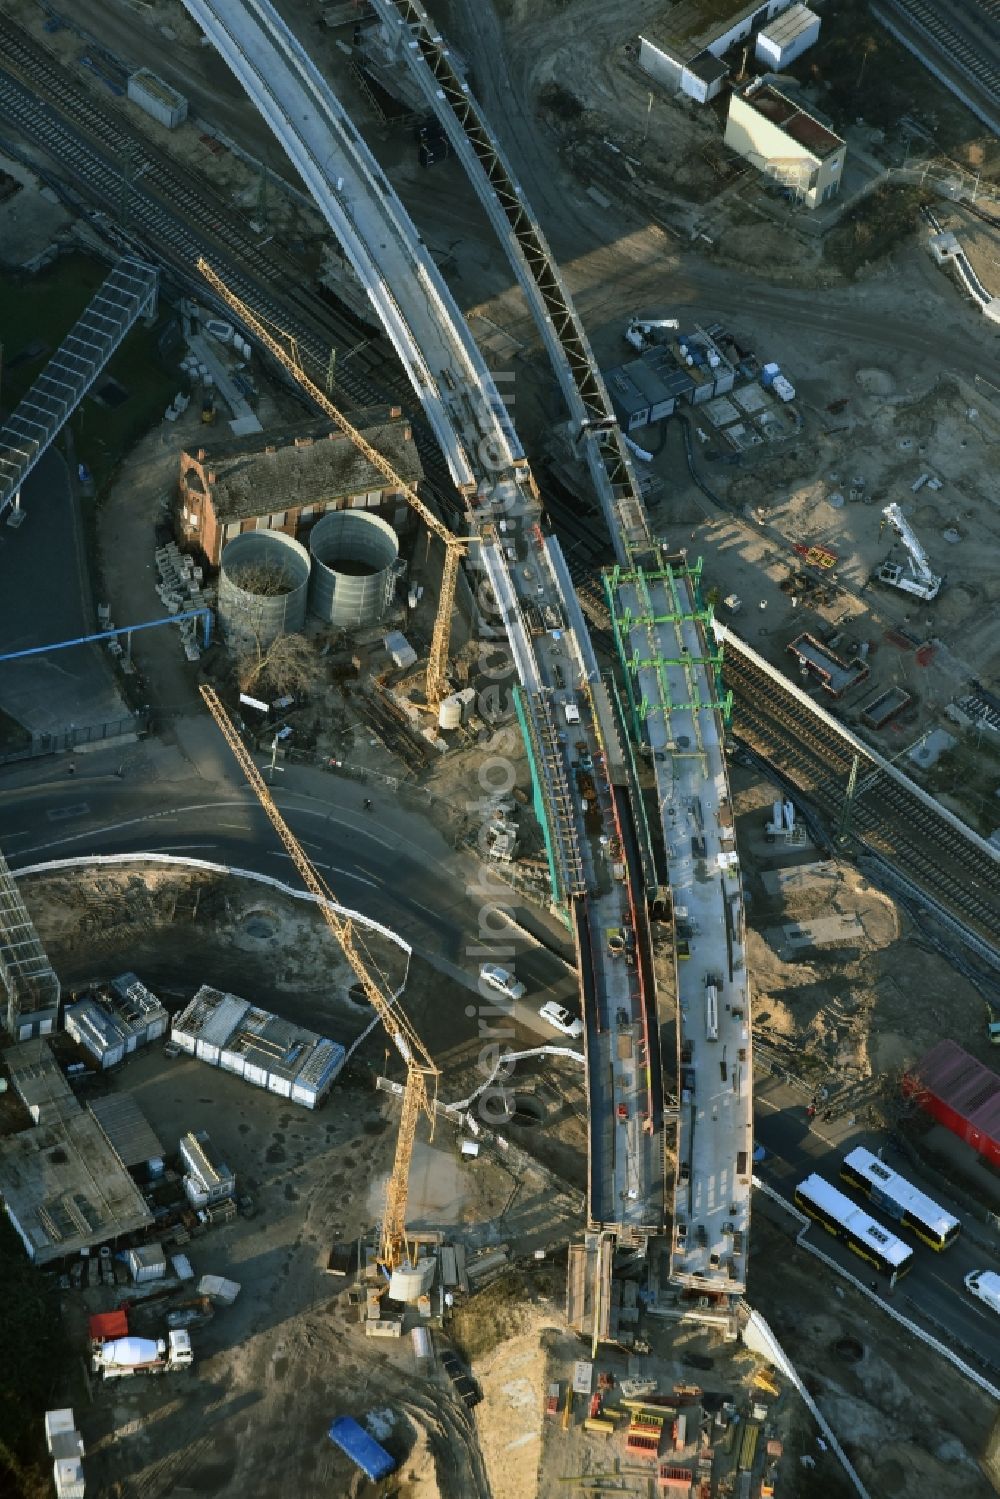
(285, 480)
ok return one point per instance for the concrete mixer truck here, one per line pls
(121, 1357)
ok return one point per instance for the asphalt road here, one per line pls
(44, 597)
(932, 1294)
(363, 857)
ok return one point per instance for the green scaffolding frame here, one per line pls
(624, 620)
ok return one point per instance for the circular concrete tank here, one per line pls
(263, 587)
(352, 576)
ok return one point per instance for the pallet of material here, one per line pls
(599, 1425)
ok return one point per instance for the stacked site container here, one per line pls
(959, 1093)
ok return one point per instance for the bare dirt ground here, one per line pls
(887, 1407)
(273, 1371)
(891, 430)
(183, 929)
(846, 1009)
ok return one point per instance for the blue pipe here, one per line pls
(149, 624)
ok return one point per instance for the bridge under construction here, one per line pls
(579, 738)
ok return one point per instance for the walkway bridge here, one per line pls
(128, 294)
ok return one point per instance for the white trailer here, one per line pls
(711, 1012)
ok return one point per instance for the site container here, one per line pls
(960, 1093)
(157, 98)
(148, 1262)
(362, 1449)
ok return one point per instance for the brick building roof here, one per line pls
(311, 464)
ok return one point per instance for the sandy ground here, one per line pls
(260, 944)
(290, 1355)
(854, 1010)
(889, 1407)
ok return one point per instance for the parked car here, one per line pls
(502, 980)
(986, 1285)
(561, 1019)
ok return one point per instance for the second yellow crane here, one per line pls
(455, 546)
(421, 1074)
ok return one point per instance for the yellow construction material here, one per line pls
(763, 1379)
(567, 1414)
(421, 1073)
(598, 1424)
(748, 1447)
(438, 686)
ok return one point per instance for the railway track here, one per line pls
(925, 847)
(172, 222)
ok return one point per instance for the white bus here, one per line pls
(897, 1197)
(843, 1218)
(711, 1012)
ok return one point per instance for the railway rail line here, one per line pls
(895, 823)
(175, 223)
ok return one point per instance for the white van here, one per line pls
(986, 1285)
(571, 711)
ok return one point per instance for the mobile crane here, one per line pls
(393, 1250)
(918, 579)
(455, 547)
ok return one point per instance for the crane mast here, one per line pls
(421, 1072)
(455, 547)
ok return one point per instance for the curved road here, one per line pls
(873, 314)
(373, 862)
(933, 1292)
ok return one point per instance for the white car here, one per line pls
(986, 1285)
(500, 979)
(572, 712)
(561, 1020)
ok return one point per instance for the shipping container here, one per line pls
(362, 1449)
(148, 1262)
(157, 98)
(67, 1474)
(959, 1093)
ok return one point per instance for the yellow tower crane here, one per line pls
(455, 546)
(421, 1073)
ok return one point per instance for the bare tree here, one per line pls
(265, 661)
(287, 664)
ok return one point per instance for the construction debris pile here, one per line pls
(180, 590)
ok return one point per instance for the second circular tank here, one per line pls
(354, 554)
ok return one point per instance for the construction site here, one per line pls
(498, 837)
